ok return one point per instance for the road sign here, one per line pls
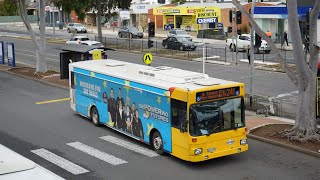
(96, 55)
(147, 58)
(206, 20)
(124, 15)
(11, 55)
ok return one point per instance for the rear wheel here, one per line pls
(95, 116)
(166, 46)
(120, 35)
(181, 48)
(68, 30)
(157, 143)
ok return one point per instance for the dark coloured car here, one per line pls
(131, 32)
(179, 43)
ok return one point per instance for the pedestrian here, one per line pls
(285, 37)
(306, 44)
(248, 55)
(269, 34)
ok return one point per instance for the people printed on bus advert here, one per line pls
(137, 129)
(119, 98)
(120, 117)
(112, 106)
(105, 97)
(128, 119)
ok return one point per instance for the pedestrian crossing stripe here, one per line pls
(59, 161)
(130, 146)
(97, 153)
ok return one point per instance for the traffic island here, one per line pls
(272, 133)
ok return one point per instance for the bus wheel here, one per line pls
(95, 116)
(157, 143)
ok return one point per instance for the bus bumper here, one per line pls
(207, 156)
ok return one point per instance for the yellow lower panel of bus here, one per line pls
(212, 146)
(226, 152)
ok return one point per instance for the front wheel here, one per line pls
(95, 116)
(157, 143)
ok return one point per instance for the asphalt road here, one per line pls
(266, 83)
(25, 126)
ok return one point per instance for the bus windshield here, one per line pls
(212, 117)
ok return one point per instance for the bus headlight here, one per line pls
(243, 141)
(198, 151)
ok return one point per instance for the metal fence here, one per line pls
(141, 45)
(275, 106)
(272, 57)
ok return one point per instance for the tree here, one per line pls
(41, 65)
(8, 8)
(178, 1)
(305, 127)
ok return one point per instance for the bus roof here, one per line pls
(162, 77)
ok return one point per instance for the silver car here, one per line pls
(179, 33)
(77, 27)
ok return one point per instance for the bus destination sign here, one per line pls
(217, 94)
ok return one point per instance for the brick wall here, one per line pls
(152, 18)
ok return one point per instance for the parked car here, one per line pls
(179, 33)
(129, 32)
(77, 27)
(244, 43)
(84, 40)
(180, 43)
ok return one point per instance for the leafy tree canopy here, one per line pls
(8, 8)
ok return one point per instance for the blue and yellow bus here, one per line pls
(186, 114)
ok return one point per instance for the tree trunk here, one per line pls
(40, 47)
(305, 127)
(41, 61)
(99, 20)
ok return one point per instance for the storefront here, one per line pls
(182, 17)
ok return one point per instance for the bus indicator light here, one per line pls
(194, 139)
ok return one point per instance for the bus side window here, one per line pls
(178, 112)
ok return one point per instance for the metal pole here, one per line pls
(252, 54)
(232, 34)
(203, 63)
(53, 20)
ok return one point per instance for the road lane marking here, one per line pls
(97, 153)
(53, 101)
(55, 60)
(130, 146)
(59, 161)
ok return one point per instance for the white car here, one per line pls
(179, 33)
(77, 27)
(244, 43)
(84, 40)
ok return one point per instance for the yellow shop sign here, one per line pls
(206, 14)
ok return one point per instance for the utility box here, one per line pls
(76, 53)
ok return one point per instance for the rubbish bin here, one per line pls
(61, 25)
(75, 53)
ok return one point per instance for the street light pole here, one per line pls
(251, 61)
(53, 20)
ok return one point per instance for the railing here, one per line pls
(141, 45)
(272, 57)
(276, 107)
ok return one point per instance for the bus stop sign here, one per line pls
(147, 58)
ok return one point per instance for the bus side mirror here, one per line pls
(183, 127)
